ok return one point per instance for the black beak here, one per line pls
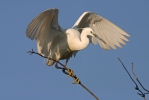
(99, 38)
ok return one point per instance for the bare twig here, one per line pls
(64, 71)
(138, 80)
(137, 88)
(128, 72)
(89, 91)
(32, 52)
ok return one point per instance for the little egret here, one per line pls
(58, 44)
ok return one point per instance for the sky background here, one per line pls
(25, 77)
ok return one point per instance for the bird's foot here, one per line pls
(76, 80)
(70, 72)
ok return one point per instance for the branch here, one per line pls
(137, 88)
(64, 71)
(128, 72)
(32, 52)
(138, 80)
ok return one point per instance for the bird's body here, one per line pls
(68, 45)
(58, 44)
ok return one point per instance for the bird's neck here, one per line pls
(84, 41)
(77, 41)
(82, 44)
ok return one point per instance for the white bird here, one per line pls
(59, 44)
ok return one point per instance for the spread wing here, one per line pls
(106, 30)
(46, 30)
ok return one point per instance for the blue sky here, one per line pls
(25, 77)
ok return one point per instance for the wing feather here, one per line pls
(47, 32)
(106, 30)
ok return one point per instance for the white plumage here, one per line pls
(58, 44)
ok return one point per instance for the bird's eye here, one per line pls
(91, 31)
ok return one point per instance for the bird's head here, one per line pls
(88, 31)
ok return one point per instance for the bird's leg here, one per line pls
(57, 67)
(64, 68)
(69, 71)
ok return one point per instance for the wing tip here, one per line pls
(126, 34)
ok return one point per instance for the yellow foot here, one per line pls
(76, 80)
(70, 72)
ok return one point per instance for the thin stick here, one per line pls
(128, 72)
(137, 88)
(138, 80)
(32, 52)
(89, 91)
